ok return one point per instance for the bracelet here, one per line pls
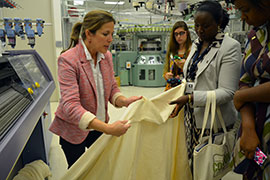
(189, 98)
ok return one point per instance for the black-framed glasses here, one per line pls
(181, 33)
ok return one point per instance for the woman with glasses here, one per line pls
(178, 50)
(212, 65)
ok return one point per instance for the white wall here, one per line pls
(45, 45)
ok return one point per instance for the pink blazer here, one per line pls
(79, 93)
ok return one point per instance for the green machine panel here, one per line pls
(115, 65)
(123, 58)
(148, 75)
(124, 77)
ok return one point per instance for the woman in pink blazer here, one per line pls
(86, 78)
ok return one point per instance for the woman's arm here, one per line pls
(123, 101)
(168, 75)
(181, 101)
(69, 89)
(260, 93)
(243, 101)
(117, 128)
(249, 139)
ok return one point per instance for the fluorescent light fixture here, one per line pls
(78, 2)
(114, 2)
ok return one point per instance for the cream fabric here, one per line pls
(36, 170)
(153, 148)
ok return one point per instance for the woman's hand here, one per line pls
(180, 63)
(124, 101)
(249, 139)
(175, 111)
(117, 128)
(181, 101)
(132, 99)
(248, 142)
(168, 75)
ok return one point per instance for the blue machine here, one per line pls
(19, 27)
(3, 36)
(40, 26)
(10, 32)
(19, 30)
(30, 33)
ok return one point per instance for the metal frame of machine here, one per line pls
(28, 139)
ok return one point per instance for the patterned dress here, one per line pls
(256, 70)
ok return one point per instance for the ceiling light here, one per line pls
(114, 2)
(78, 2)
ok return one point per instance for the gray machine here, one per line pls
(148, 70)
(145, 66)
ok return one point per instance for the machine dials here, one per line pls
(37, 84)
(30, 90)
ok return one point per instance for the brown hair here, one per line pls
(174, 46)
(92, 21)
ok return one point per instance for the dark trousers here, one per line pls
(74, 151)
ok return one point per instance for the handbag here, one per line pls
(239, 161)
(213, 153)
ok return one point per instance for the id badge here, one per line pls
(189, 87)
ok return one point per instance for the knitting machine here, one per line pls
(144, 65)
(26, 85)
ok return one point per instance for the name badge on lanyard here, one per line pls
(189, 87)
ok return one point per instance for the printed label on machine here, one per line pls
(128, 65)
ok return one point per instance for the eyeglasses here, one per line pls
(181, 33)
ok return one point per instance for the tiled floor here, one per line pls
(56, 156)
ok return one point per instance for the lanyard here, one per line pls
(196, 59)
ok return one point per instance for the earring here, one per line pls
(219, 29)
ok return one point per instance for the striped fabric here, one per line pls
(256, 70)
(256, 64)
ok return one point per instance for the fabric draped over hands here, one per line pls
(153, 148)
